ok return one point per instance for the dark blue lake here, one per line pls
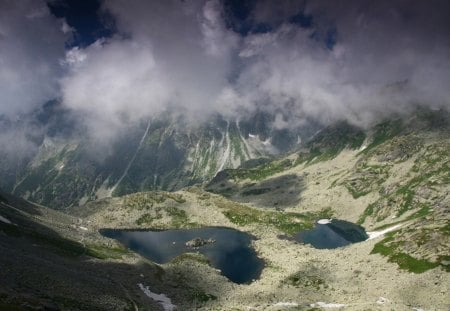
(334, 234)
(231, 252)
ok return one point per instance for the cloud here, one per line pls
(167, 55)
(31, 44)
(313, 60)
(387, 59)
(360, 62)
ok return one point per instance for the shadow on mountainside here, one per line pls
(42, 270)
(278, 192)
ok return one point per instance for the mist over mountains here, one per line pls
(298, 61)
(315, 133)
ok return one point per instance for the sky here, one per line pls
(114, 63)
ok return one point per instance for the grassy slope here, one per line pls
(418, 195)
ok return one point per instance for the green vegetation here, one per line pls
(63, 246)
(289, 223)
(198, 295)
(446, 229)
(260, 172)
(239, 149)
(147, 218)
(146, 200)
(179, 217)
(302, 279)
(105, 252)
(389, 248)
(366, 179)
(406, 195)
(383, 132)
(367, 212)
(330, 142)
(433, 165)
(51, 241)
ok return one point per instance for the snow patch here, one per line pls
(266, 142)
(251, 135)
(376, 234)
(226, 154)
(286, 304)
(59, 166)
(132, 159)
(6, 221)
(324, 221)
(162, 299)
(103, 191)
(83, 200)
(321, 304)
(83, 228)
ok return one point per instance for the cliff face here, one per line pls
(163, 154)
(392, 179)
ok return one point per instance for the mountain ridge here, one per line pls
(161, 154)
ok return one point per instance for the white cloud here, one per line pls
(171, 56)
(31, 44)
(181, 56)
(386, 60)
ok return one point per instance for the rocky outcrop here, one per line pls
(199, 242)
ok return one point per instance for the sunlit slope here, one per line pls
(397, 172)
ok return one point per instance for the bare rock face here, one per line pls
(199, 242)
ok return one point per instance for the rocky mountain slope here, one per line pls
(397, 174)
(165, 154)
(392, 179)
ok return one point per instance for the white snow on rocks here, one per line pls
(286, 304)
(6, 221)
(376, 234)
(324, 221)
(162, 299)
(321, 304)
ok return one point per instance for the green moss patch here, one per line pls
(389, 248)
(289, 223)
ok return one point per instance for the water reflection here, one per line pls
(334, 234)
(231, 252)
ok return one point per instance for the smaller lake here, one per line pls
(333, 234)
(228, 250)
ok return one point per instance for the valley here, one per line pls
(224, 155)
(393, 180)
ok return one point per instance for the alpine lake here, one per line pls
(227, 249)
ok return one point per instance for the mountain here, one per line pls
(393, 179)
(41, 250)
(166, 153)
(397, 173)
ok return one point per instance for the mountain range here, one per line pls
(392, 178)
